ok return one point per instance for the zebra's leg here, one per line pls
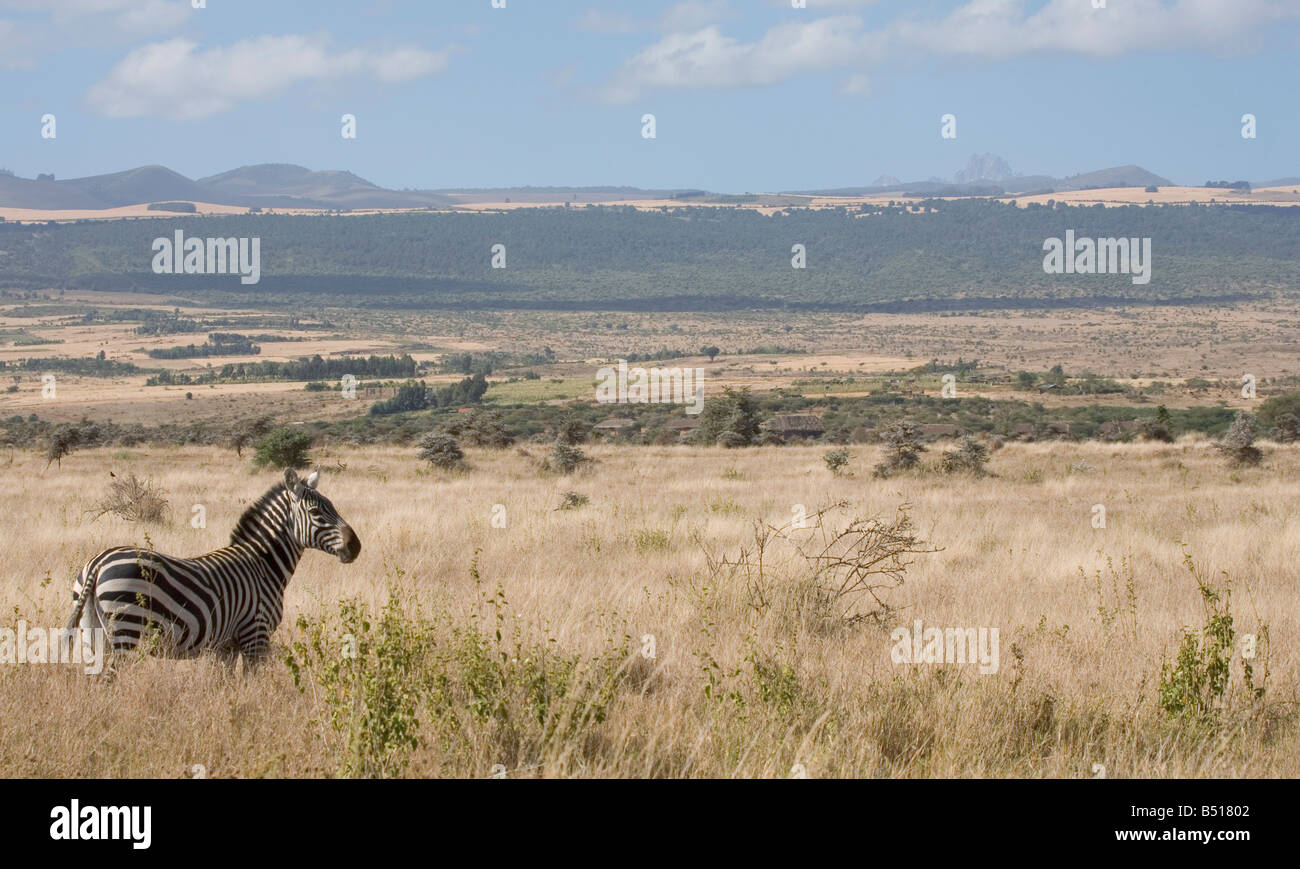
(254, 643)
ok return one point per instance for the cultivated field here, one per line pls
(524, 650)
(1108, 196)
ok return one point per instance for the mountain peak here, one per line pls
(984, 167)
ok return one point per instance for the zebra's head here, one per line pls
(316, 524)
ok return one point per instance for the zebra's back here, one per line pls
(183, 604)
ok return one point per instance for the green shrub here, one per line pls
(572, 501)
(441, 451)
(572, 430)
(969, 458)
(488, 693)
(903, 448)
(283, 448)
(1287, 429)
(566, 459)
(836, 461)
(1157, 429)
(1238, 443)
(373, 673)
(1195, 686)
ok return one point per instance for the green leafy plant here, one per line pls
(441, 451)
(1195, 685)
(283, 448)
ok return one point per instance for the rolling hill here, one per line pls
(270, 185)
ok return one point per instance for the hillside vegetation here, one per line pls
(935, 255)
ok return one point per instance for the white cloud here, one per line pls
(992, 29)
(708, 59)
(49, 26)
(685, 15)
(177, 79)
(133, 17)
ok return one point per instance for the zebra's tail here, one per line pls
(82, 590)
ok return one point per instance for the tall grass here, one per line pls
(598, 641)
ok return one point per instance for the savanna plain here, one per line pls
(504, 620)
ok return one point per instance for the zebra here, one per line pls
(228, 601)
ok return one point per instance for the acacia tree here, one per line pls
(730, 419)
(441, 450)
(1238, 443)
(903, 448)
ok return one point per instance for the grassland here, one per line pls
(519, 649)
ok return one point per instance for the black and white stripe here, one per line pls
(230, 600)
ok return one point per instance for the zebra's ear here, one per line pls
(312, 479)
(292, 484)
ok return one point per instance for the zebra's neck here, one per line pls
(264, 527)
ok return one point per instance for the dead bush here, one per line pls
(134, 500)
(836, 574)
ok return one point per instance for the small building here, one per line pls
(1031, 431)
(934, 431)
(615, 425)
(683, 428)
(798, 425)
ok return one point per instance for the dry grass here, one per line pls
(734, 689)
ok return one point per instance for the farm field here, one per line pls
(1109, 196)
(607, 639)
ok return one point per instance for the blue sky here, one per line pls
(749, 95)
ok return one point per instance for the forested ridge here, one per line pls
(700, 258)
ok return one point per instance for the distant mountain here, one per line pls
(134, 186)
(1292, 181)
(26, 193)
(984, 167)
(1119, 176)
(270, 185)
(284, 185)
(990, 175)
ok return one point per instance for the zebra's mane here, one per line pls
(255, 511)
